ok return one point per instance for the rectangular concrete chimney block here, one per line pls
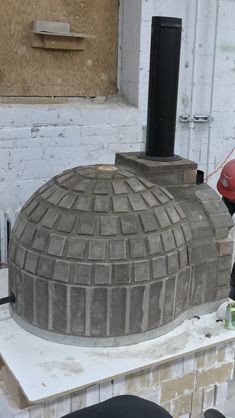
(163, 173)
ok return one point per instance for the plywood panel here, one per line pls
(27, 71)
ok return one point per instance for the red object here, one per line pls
(226, 182)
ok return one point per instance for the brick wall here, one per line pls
(185, 387)
(37, 142)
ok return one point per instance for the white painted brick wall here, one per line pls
(36, 142)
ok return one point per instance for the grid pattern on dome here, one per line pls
(96, 252)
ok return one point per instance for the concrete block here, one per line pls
(128, 224)
(199, 278)
(155, 244)
(117, 315)
(177, 387)
(155, 309)
(150, 199)
(178, 235)
(208, 397)
(66, 222)
(136, 309)
(225, 247)
(76, 248)
(56, 245)
(45, 266)
(28, 233)
(225, 263)
(102, 188)
(50, 218)
(77, 400)
(28, 297)
(221, 394)
(162, 217)
(117, 249)
(78, 310)
(149, 222)
(101, 204)
(141, 270)
(168, 309)
(31, 262)
(217, 375)
(97, 250)
(182, 292)
(20, 256)
(40, 239)
(137, 247)
(159, 267)
(103, 273)
(181, 407)
(172, 263)
(211, 280)
(62, 271)
(87, 224)
(99, 312)
(83, 203)
(109, 225)
(197, 402)
(168, 240)
(59, 307)
(42, 303)
(189, 176)
(187, 232)
(38, 213)
(82, 273)
(183, 257)
(19, 227)
(120, 204)
(189, 364)
(120, 187)
(122, 273)
(173, 214)
(55, 197)
(30, 207)
(222, 292)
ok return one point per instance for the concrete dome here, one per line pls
(99, 254)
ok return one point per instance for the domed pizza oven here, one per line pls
(101, 256)
(111, 255)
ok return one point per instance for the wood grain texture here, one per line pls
(27, 71)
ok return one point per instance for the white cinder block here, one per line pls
(221, 394)
(189, 364)
(119, 387)
(77, 400)
(93, 117)
(106, 391)
(208, 397)
(92, 395)
(36, 412)
(124, 117)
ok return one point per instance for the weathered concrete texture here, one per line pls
(209, 250)
(101, 252)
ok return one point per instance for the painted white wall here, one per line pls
(38, 141)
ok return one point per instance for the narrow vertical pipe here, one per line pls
(163, 87)
(193, 82)
(212, 87)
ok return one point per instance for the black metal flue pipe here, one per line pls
(163, 88)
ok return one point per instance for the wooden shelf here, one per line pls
(63, 39)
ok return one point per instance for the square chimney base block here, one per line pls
(169, 173)
(186, 371)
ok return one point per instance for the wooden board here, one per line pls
(27, 71)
